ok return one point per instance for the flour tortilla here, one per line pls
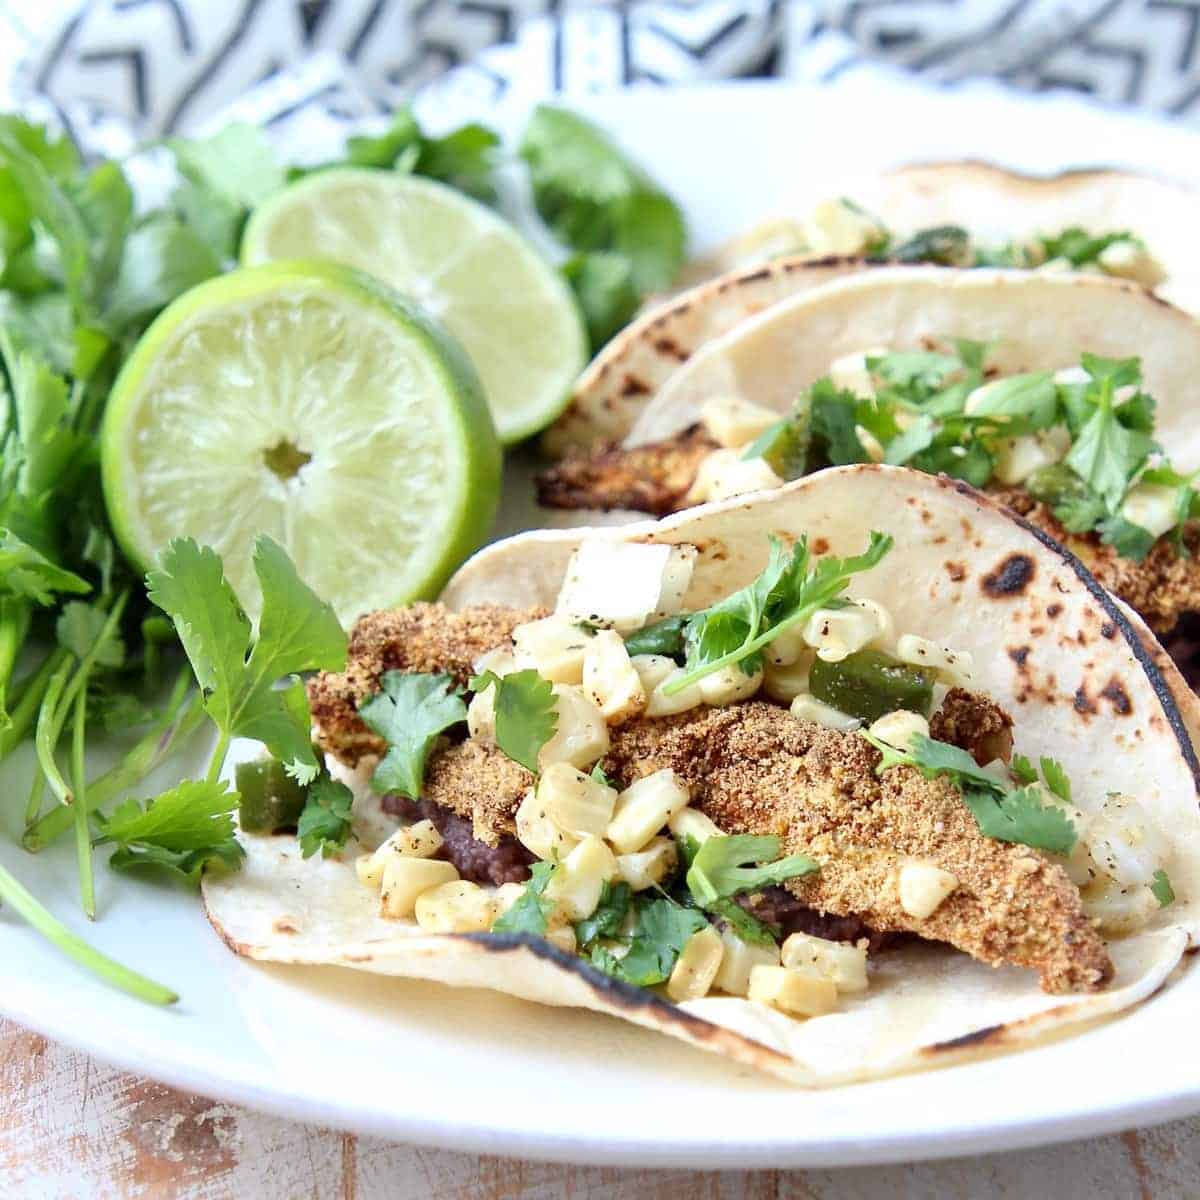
(1030, 321)
(996, 206)
(1093, 690)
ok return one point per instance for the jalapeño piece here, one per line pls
(870, 684)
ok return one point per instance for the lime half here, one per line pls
(458, 260)
(307, 401)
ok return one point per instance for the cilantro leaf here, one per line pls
(531, 911)
(1127, 539)
(1023, 771)
(1056, 779)
(788, 591)
(717, 872)
(324, 822)
(608, 917)
(526, 717)
(744, 924)
(1106, 453)
(833, 423)
(663, 929)
(1022, 816)
(663, 637)
(237, 163)
(1021, 403)
(1164, 893)
(1078, 246)
(80, 626)
(605, 291)
(409, 712)
(182, 830)
(297, 632)
(784, 446)
(917, 437)
(947, 245)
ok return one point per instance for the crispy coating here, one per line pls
(654, 478)
(1162, 588)
(421, 637)
(974, 723)
(753, 768)
(478, 782)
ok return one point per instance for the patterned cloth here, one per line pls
(111, 66)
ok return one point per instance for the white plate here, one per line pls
(484, 1073)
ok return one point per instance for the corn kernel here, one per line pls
(729, 685)
(662, 705)
(836, 633)
(538, 834)
(553, 646)
(645, 868)
(923, 887)
(844, 965)
(733, 422)
(610, 679)
(653, 669)
(456, 907)
(404, 879)
(418, 840)
(581, 735)
(792, 991)
(724, 473)
(506, 895)
(786, 648)
(1153, 506)
(697, 966)
(1017, 458)
(739, 959)
(835, 227)
(575, 887)
(369, 869)
(899, 728)
(850, 372)
(956, 666)
(1129, 260)
(644, 808)
(691, 822)
(809, 708)
(574, 802)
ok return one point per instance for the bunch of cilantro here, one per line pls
(918, 418)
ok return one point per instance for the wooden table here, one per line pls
(73, 1129)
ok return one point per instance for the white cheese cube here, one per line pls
(1153, 506)
(851, 374)
(404, 879)
(691, 822)
(796, 992)
(575, 887)
(923, 887)
(739, 959)
(899, 728)
(574, 802)
(456, 907)
(610, 680)
(645, 868)
(553, 646)
(724, 473)
(843, 964)
(729, 685)
(697, 966)
(733, 422)
(538, 834)
(809, 708)
(956, 666)
(623, 585)
(644, 808)
(835, 227)
(662, 705)
(581, 736)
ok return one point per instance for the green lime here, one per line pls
(307, 401)
(467, 267)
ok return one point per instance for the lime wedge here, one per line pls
(307, 401)
(459, 261)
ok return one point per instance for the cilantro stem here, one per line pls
(83, 835)
(49, 729)
(72, 945)
(217, 762)
(25, 713)
(151, 749)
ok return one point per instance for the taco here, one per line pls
(1068, 397)
(860, 777)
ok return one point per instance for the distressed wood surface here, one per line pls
(73, 1129)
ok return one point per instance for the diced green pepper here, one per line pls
(1056, 484)
(270, 798)
(784, 446)
(869, 684)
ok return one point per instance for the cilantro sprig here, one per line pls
(1007, 814)
(718, 871)
(531, 911)
(789, 590)
(526, 718)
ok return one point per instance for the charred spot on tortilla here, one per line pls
(1019, 655)
(672, 349)
(1108, 630)
(1083, 702)
(1054, 610)
(977, 1037)
(285, 925)
(820, 545)
(1010, 577)
(956, 570)
(633, 386)
(1118, 697)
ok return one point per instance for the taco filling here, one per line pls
(1071, 450)
(749, 799)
